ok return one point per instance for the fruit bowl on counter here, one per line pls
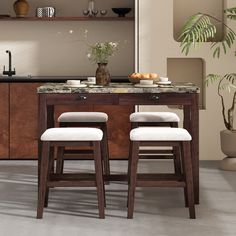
(136, 77)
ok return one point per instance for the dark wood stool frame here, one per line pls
(48, 100)
(184, 180)
(49, 179)
(160, 154)
(104, 145)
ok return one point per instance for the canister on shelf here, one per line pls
(39, 12)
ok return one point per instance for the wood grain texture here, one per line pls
(68, 18)
(118, 129)
(23, 120)
(4, 121)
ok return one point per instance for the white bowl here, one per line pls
(73, 82)
(146, 82)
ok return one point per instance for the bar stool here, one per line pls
(61, 137)
(138, 119)
(155, 136)
(168, 119)
(85, 119)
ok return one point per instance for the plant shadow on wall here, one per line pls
(199, 29)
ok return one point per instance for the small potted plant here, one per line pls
(99, 53)
(197, 29)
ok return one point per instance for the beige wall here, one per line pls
(156, 44)
(58, 48)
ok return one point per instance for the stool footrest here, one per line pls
(159, 180)
(73, 151)
(156, 151)
(71, 183)
(72, 180)
(160, 183)
(143, 156)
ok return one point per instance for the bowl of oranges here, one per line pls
(136, 77)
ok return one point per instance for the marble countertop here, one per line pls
(119, 88)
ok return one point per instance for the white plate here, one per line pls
(146, 85)
(88, 82)
(95, 86)
(164, 83)
(76, 85)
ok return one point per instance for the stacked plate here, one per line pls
(75, 84)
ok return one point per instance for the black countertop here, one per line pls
(52, 79)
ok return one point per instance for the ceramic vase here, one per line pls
(21, 8)
(102, 75)
(228, 147)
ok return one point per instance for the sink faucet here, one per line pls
(10, 72)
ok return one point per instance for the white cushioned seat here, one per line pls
(83, 117)
(159, 134)
(154, 117)
(72, 134)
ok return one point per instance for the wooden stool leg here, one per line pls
(184, 175)
(176, 152)
(189, 178)
(133, 126)
(99, 179)
(51, 170)
(185, 188)
(177, 160)
(132, 178)
(129, 167)
(60, 160)
(105, 150)
(43, 178)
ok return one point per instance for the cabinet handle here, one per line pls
(154, 97)
(81, 97)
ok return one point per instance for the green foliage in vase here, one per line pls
(199, 29)
(100, 52)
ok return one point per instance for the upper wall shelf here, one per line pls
(69, 18)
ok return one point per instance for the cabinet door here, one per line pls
(23, 120)
(4, 121)
(118, 129)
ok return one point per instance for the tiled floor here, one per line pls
(73, 212)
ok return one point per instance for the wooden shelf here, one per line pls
(69, 18)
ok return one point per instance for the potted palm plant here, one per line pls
(198, 29)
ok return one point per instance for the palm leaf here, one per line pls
(197, 29)
(228, 87)
(212, 78)
(231, 13)
(230, 84)
(227, 43)
(231, 78)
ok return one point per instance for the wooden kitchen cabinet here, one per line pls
(23, 124)
(118, 129)
(23, 120)
(4, 121)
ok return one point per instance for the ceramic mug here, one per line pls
(39, 12)
(49, 11)
(163, 79)
(92, 79)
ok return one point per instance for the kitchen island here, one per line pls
(183, 94)
(19, 116)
